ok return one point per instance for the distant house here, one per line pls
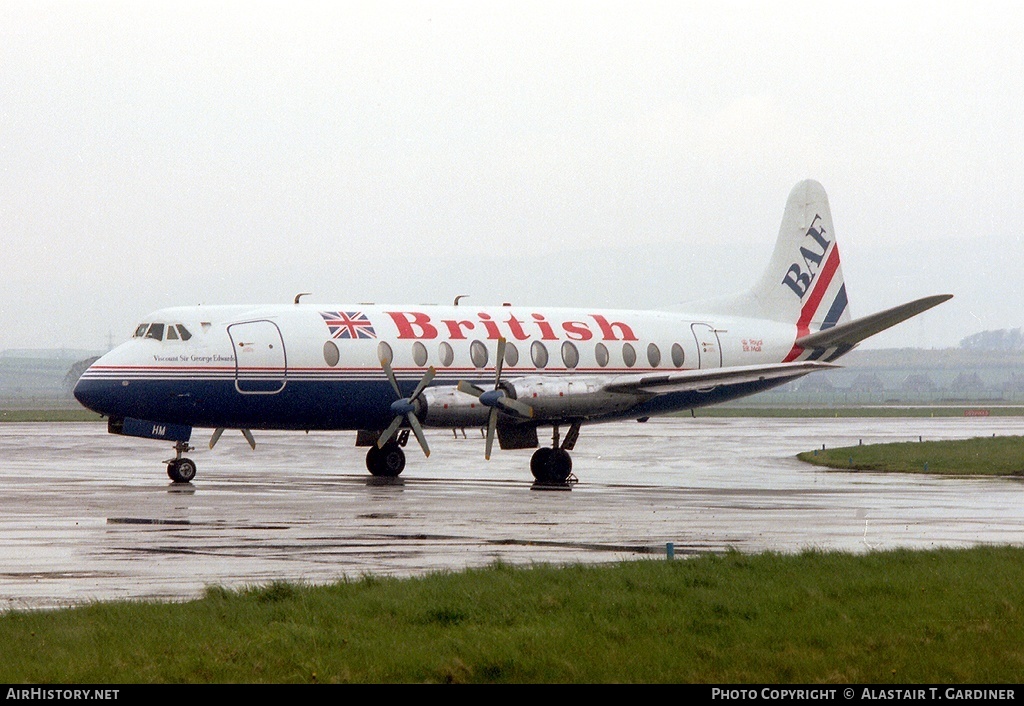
(966, 386)
(867, 383)
(816, 384)
(1013, 389)
(919, 386)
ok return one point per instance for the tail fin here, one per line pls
(803, 283)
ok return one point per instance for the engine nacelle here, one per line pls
(552, 398)
(447, 407)
(563, 397)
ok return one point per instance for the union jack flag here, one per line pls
(348, 324)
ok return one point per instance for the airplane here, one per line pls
(385, 371)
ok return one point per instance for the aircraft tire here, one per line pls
(550, 465)
(387, 462)
(181, 470)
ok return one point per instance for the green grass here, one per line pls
(948, 616)
(988, 456)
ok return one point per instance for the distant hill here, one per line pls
(909, 376)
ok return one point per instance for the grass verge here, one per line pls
(947, 616)
(983, 456)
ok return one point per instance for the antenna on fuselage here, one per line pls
(461, 296)
(300, 295)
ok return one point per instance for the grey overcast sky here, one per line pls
(616, 154)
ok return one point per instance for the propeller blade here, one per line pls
(405, 407)
(385, 437)
(469, 388)
(391, 376)
(417, 429)
(248, 437)
(499, 361)
(216, 436)
(427, 377)
(492, 424)
(514, 405)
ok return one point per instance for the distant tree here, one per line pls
(1006, 340)
(75, 372)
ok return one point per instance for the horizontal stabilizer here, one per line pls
(690, 380)
(853, 332)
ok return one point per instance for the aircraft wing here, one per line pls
(855, 331)
(687, 380)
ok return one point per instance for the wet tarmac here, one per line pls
(89, 516)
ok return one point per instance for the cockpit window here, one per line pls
(175, 332)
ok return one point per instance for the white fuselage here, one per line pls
(309, 366)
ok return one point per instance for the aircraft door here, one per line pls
(709, 348)
(261, 363)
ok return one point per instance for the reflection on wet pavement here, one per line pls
(89, 516)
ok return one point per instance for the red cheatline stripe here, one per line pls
(812, 304)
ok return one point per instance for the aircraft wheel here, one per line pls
(181, 470)
(550, 465)
(387, 462)
(539, 463)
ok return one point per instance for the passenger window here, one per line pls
(156, 331)
(601, 353)
(446, 353)
(628, 355)
(478, 354)
(539, 354)
(185, 335)
(331, 354)
(511, 355)
(570, 356)
(654, 355)
(678, 355)
(419, 354)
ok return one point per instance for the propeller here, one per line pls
(497, 399)
(404, 408)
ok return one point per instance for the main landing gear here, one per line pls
(180, 469)
(387, 461)
(552, 465)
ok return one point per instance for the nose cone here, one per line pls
(98, 391)
(87, 392)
